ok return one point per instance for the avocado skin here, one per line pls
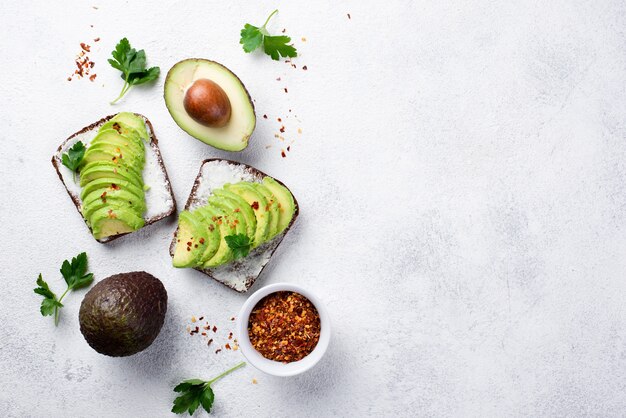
(123, 314)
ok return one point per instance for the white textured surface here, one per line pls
(462, 182)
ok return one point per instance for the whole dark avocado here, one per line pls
(123, 314)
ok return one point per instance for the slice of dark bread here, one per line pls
(241, 274)
(159, 197)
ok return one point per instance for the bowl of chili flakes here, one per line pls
(284, 329)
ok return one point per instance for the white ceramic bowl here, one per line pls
(277, 368)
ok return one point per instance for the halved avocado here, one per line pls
(239, 125)
(127, 140)
(286, 204)
(103, 184)
(111, 170)
(109, 221)
(258, 204)
(134, 121)
(271, 206)
(209, 217)
(190, 240)
(243, 207)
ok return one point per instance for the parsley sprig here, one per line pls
(132, 64)
(76, 277)
(74, 157)
(252, 37)
(240, 244)
(196, 392)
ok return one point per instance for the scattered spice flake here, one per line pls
(95, 7)
(193, 318)
(288, 148)
(254, 381)
(85, 47)
(286, 91)
(230, 336)
(235, 347)
(279, 119)
(264, 116)
(303, 39)
(227, 346)
(96, 40)
(284, 30)
(201, 318)
(203, 334)
(278, 79)
(214, 328)
(299, 130)
(304, 67)
(349, 16)
(282, 153)
(92, 77)
(284, 326)
(282, 129)
(188, 328)
(233, 318)
(209, 343)
(218, 350)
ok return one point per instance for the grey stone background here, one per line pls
(462, 178)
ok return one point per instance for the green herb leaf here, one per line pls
(197, 392)
(74, 272)
(74, 156)
(49, 303)
(76, 277)
(132, 64)
(240, 244)
(252, 37)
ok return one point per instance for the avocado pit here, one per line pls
(207, 103)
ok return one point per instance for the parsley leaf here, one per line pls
(74, 157)
(240, 244)
(132, 64)
(197, 392)
(252, 37)
(76, 277)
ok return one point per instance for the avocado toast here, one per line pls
(123, 184)
(231, 198)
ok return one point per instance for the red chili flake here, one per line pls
(349, 16)
(227, 346)
(85, 47)
(237, 210)
(204, 334)
(211, 227)
(69, 79)
(284, 30)
(282, 153)
(111, 214)
(97, 40)
(209, 343)
(255, 206)
(233, 318)
(201, 240)
(195, 246)
(230, 336)
(103, 196)
(278, 79)
(218, 350)
(286, 90)
(264, 116)
(304, 67)
(201, 318)
(279, 119)
(189, 244)
(214, 328)
(115, 186)
(282, 129)
(289, 148)
(92, 77)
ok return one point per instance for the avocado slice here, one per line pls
(271, 207)
(258, 204)
(223, 254)
(117, 155)
(190, 240)
(109, 221)
(243, 207)
(286, 204)
(233, 217)
(209, 215)
(235, 134)
(134, 121)
(113, 199)
(108, 169)
(127, 142)
(103, 184)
